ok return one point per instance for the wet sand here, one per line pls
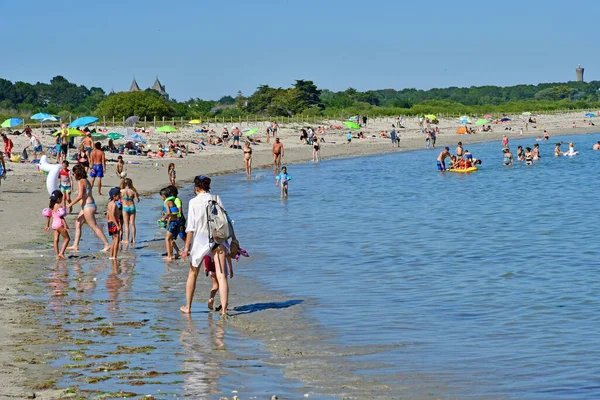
(26, 348)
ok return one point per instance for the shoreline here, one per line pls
(22, 245)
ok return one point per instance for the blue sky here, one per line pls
(208, 49)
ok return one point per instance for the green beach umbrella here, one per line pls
(72, 132)
(9, 123)
(114, 136)
(352, 125)
(166, 129)
(99, 136)
(250, 132)
(430, 116)
(482, 121)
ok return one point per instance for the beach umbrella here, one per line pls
(505, 119)
(462, 130)
(42, 116)
(132, 120)
(195, 121)
(431, 117)
(487, 116)
(83, 121)
(72, 132)
(465, 120)
(591, 115)
(115, 136)
(166, 129)
(482, 121)
(353, 119)
(250, 132)
(134, 137)
(352, 125)
(98, 136)
(9, 123)
(527, 113)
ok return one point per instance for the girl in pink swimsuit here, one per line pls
(56, 214)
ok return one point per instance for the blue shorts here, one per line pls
(173, 227)
(38, 148)
(441, 166)
(97, 171)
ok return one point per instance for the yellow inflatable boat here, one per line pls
(472, 169)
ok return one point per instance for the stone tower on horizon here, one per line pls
(579, 73)
(160, 88)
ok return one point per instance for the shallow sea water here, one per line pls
(489, 281)
(483, 285)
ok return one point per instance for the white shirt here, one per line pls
(34, 141)
(197, 222)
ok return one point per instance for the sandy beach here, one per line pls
(23, 195)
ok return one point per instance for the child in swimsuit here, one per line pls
(120, 168)
(129, 195)
(113, 221)
(56, 214)
(171, 216)
(172, 174)
(65, 183)
(283, 178)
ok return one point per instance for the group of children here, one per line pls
(120, 218)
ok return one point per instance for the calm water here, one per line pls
(483, 285)
(489, 280)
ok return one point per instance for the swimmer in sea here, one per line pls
(596, 146)
(520, 154)
(508, 157)
(571, 151)
(528, 157)
(536, 152)
(441, 160)
(557, 152)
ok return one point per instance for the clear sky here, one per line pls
(206, 49)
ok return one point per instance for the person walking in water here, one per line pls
(248, 159)
(88, 209)
(198, 244)
(278, 153)
(98, 161)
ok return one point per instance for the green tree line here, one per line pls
(303, 97)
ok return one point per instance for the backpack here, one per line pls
(219, 225)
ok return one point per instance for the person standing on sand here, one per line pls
(393, 137)
(278, 153)
(98, 161)
(275, 128)
(8, 145)
(64, 143)
(37, 146)
(88, 208)
(88, 143)
(198, 245)
(2, 168)
(441, 160)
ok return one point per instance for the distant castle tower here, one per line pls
(134, 86)
(579, 72)
(160, 88)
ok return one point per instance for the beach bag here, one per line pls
(219, 226)
(24, 155)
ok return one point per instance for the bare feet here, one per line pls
(61, 257)
(168, 258)
(105, 249)
(73, 249)
(211, 303)
(184, 309)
